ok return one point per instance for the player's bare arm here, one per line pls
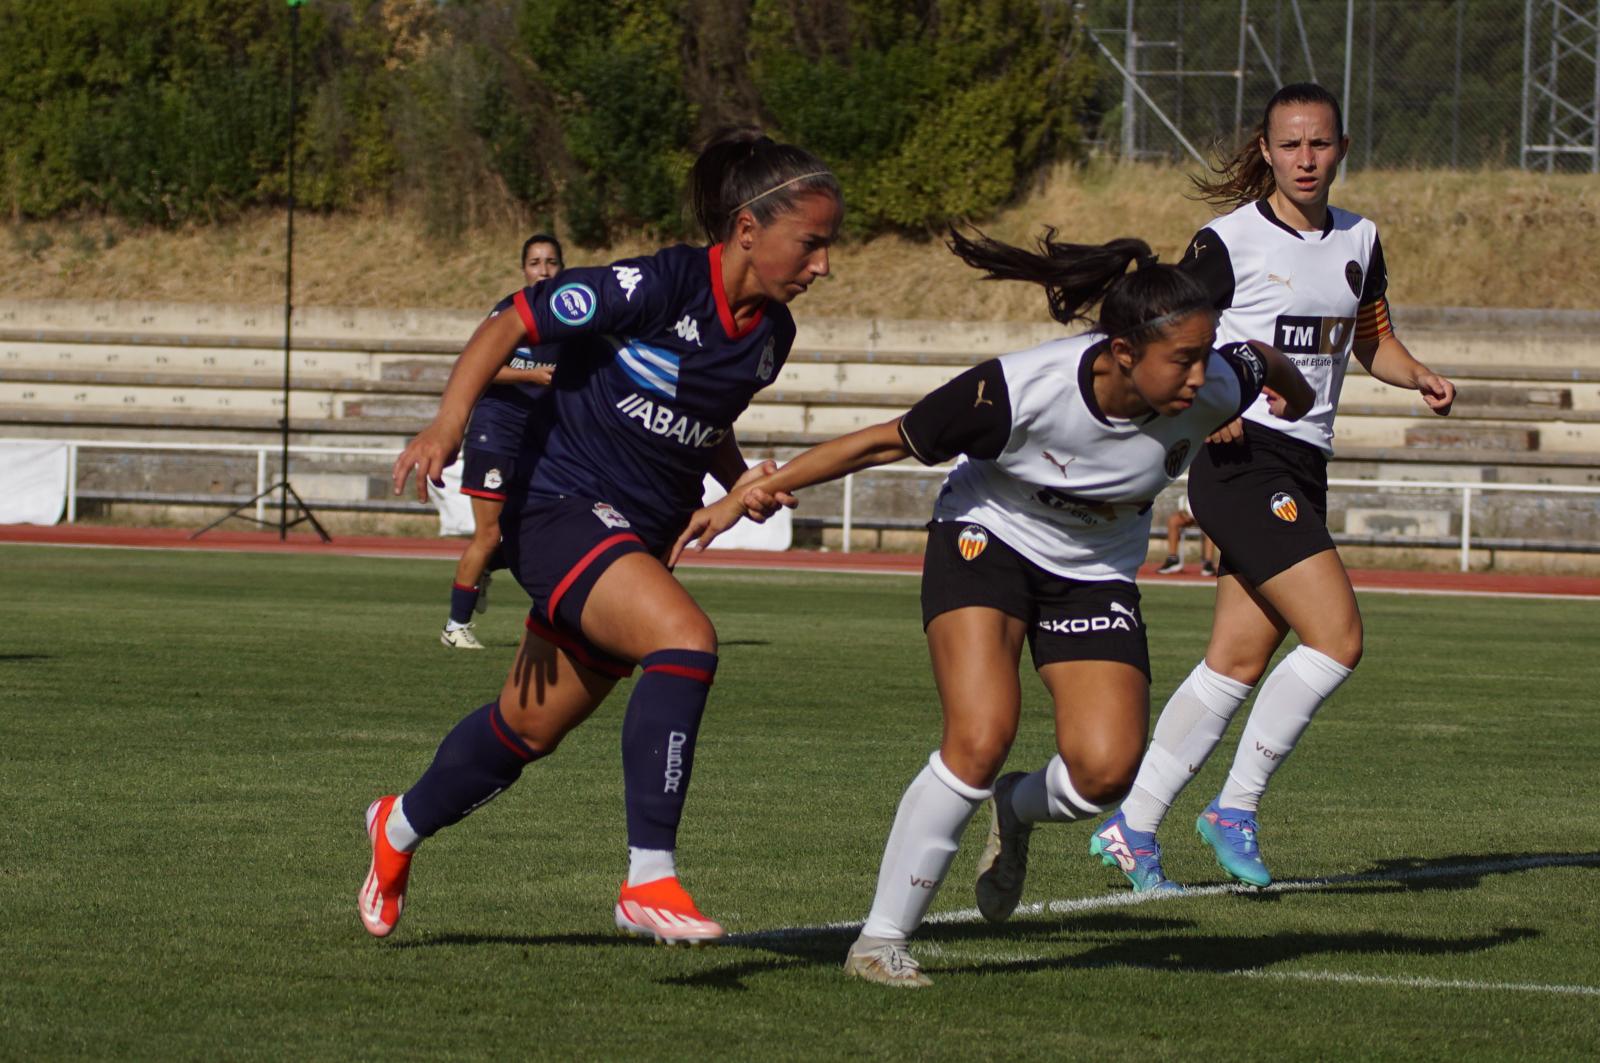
(1388, 360)
(863, 449)
(1290, 397)
(435, 446)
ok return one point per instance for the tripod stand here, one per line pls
(283, 488)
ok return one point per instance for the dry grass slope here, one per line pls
(1487, 238)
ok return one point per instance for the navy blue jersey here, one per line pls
(513, 418)
(652, 376)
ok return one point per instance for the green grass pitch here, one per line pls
(187, 742)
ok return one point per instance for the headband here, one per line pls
(779, 188)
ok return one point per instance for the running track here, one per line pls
(1486, 583)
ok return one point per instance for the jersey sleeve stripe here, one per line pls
(905, 437)
(525, 312)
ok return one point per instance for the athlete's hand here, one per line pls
(1437, 392)
(1233, 431)
(706, 524)
(427, 454)
(760, 504)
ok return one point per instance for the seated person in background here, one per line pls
(1183, 518)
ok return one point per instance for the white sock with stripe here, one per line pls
(1289, 697)
(1048, 795)
(922, 843)
(1189, 728)
(397, 828)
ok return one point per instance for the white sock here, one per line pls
(397, 828)
(1188, 729)
(451, 625)
(1289, 697)
(647, 865)
(922, 843)
(1048, 795)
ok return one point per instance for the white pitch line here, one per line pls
(1129, 900)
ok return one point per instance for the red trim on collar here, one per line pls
(725, 312)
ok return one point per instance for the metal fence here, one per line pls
(1424, 83)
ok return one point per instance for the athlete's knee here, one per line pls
(976, 755)
(1344, 642)
(691, 631)
(1241, 667)
(1104, 780)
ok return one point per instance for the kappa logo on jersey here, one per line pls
(972, 541)
(660, 419)
(1284, 508)
(1312, 335)
(628, 278)
(768, 362)
(1352, 273)
(492, 479)
(573, 304)
(652, 368)
(1176, 458)
(688, 330)
(609, 516)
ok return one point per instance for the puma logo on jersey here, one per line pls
(628, 278)
(1062, 465)
(1287, 282)
(660, 419)
(688, 330)
(980, 400)
(1118, 607)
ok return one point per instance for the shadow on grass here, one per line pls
(18, 658)
(469, 940)
(1408, 874)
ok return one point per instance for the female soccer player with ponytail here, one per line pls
(1035, 539)
(1286, 268)
(657, 357)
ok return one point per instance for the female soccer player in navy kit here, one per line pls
(505, 434)
(1036, 536)
(657, 358)
(1286, 268)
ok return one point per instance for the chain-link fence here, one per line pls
(1425, 83)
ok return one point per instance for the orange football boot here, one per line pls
(383, 894)
(663, 910)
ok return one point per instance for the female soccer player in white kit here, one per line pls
(1035, 537)
(1285, 268)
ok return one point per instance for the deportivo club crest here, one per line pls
(1352, 273)
(492, 479)
(1175, 457)
(1284, 508)
(609, 516)
(972, 541)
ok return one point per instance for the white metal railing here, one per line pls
(262, 451)
(1466, 490)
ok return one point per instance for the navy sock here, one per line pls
(479, 758)
(462, 601)
(658, 733)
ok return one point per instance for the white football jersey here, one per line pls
(1299, 292)
(1047, 471)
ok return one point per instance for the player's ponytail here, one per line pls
(1245, 176)
(1134, 306)
(743, 169)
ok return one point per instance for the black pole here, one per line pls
(288, 273)
(282, 488)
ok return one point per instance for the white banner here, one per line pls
(455, 517)
(33, 482)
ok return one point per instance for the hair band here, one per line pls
(779, 188)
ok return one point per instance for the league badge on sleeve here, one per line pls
(1284, 508)
(768, 362)
(573, 304)
(972, 541)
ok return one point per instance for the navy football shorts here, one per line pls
(1068, 620)
(1263, 500)
(558, 546)
(485, 474)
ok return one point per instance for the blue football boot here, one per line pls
(1133, 852)
(1231, 833)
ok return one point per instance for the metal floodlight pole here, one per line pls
(1349, 38)
(283, 488)
(1238, 89)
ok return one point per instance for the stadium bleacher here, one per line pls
(1528, 409)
